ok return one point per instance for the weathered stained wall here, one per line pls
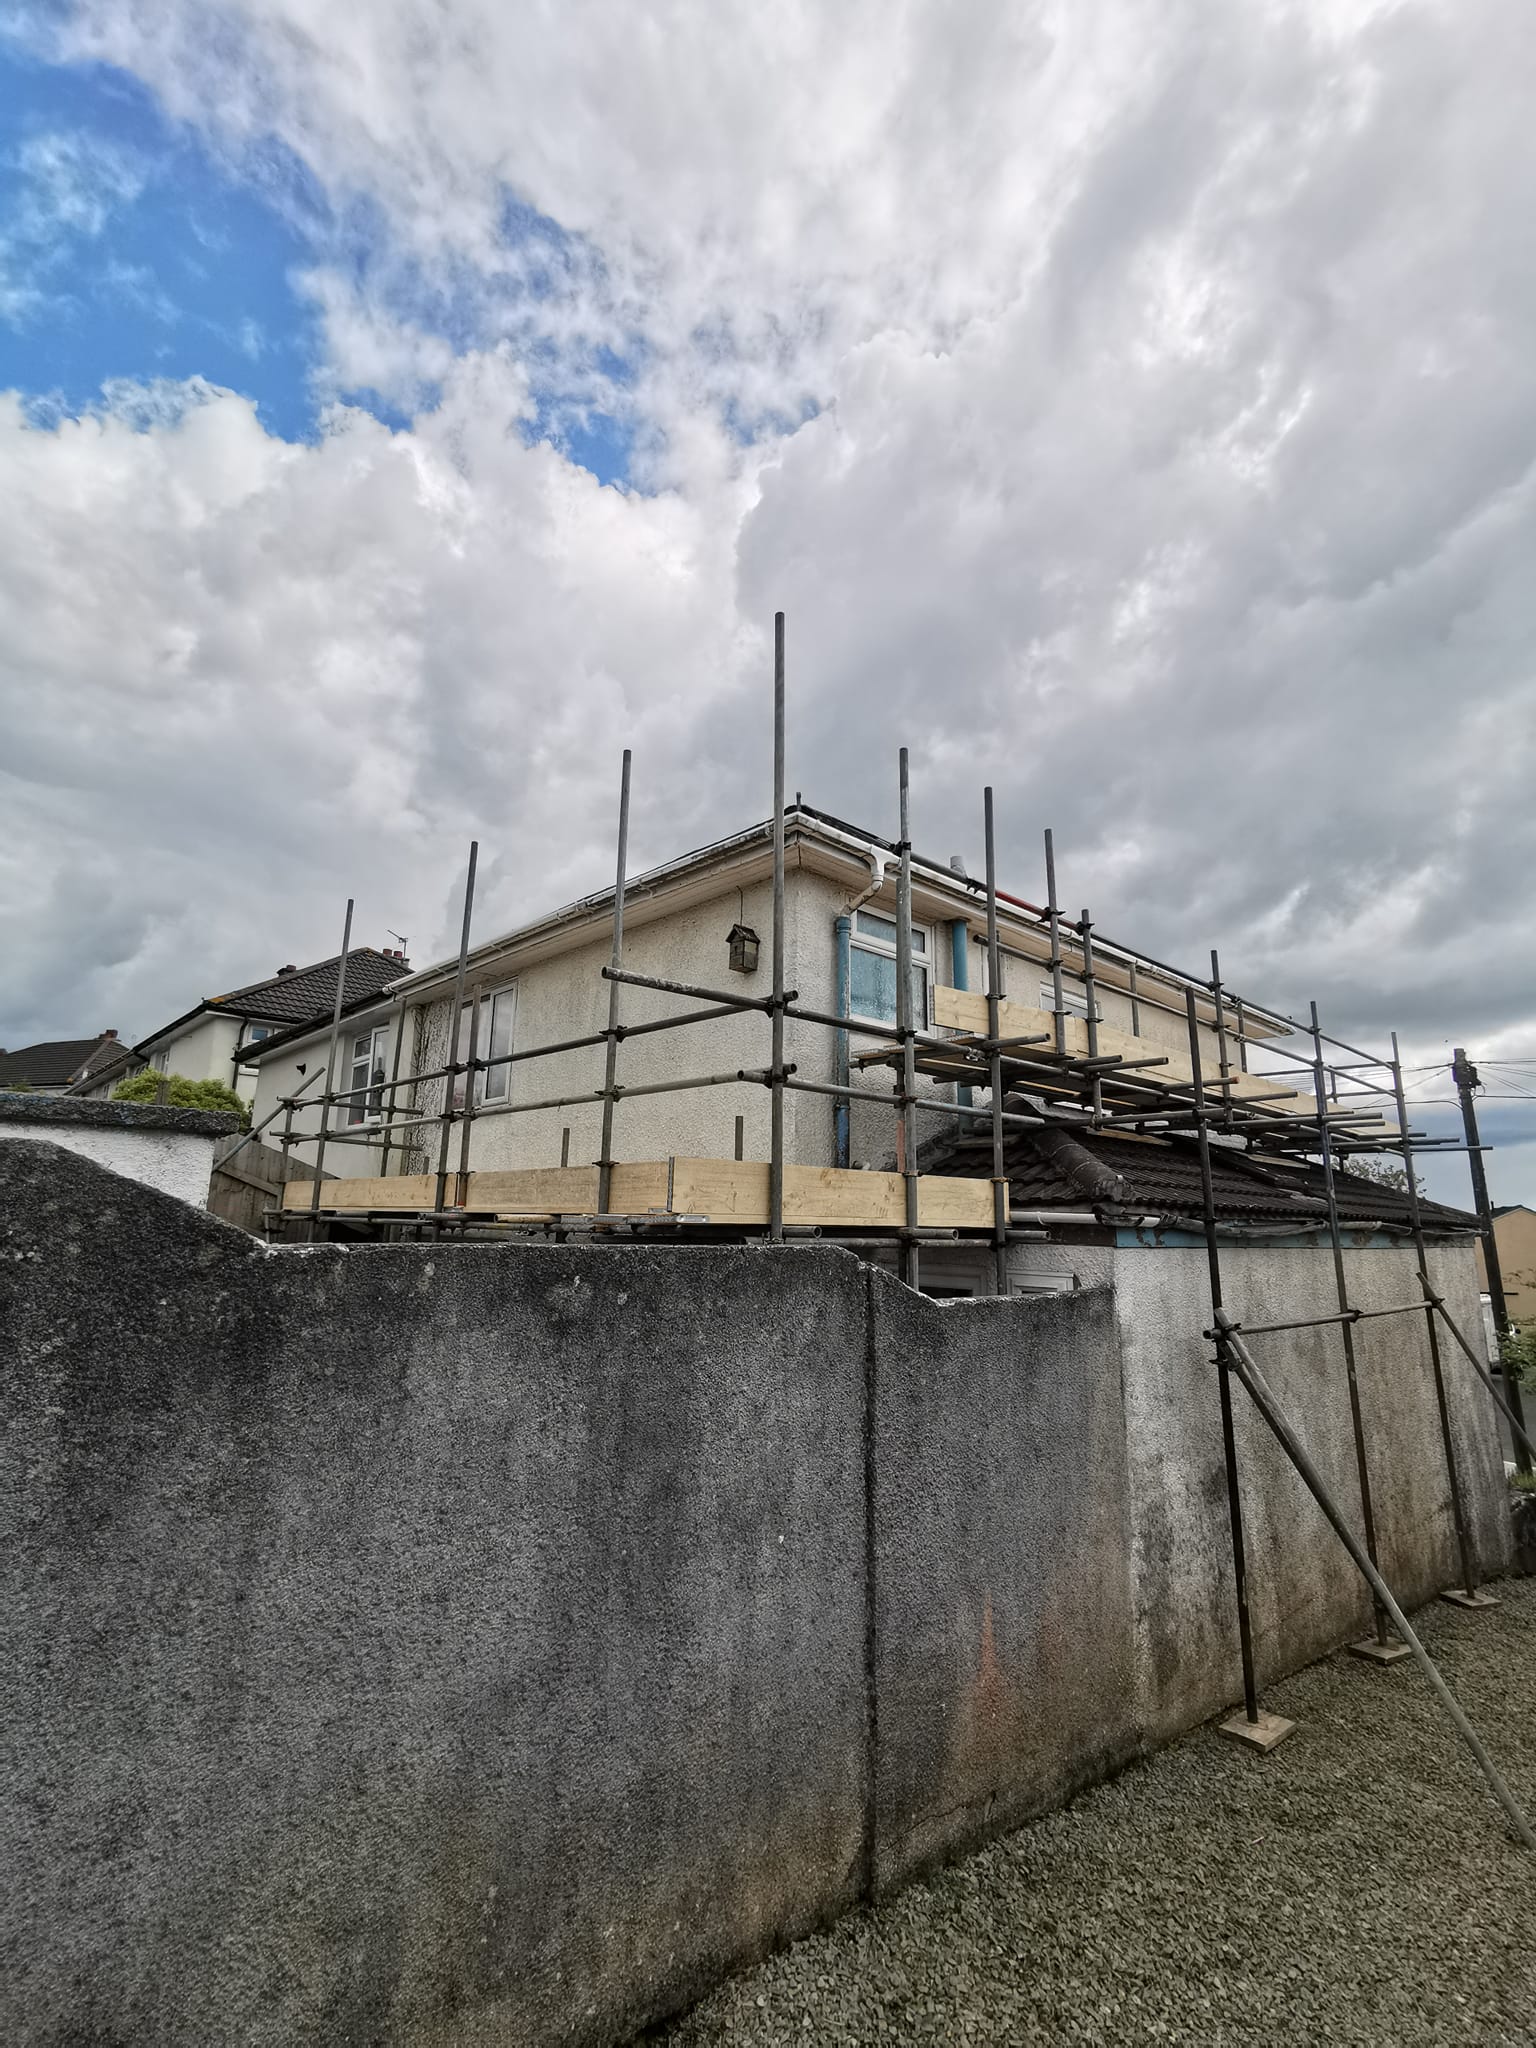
(449, 1646)
(1003, 1614)
(1304, 1595)
(433, 1648)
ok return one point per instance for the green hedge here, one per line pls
(180, 1093)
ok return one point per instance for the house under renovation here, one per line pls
(814, 1581)
(519, 1125)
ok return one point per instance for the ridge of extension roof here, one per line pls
(1124, 1178)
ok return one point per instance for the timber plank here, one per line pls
(413, 1191)
(957, 1009)
(544, 1190)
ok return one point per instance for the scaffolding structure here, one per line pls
(1066, 1071)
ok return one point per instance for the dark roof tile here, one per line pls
(56, 1061)
(310, 992)
(1056, 1168)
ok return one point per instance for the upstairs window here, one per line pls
(872, 970)
(494, 1042)
(1073, 1000)
(366, 1072)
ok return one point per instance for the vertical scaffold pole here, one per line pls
(330, 1061)
(471, 1068)
(1225, 1065)
(616, 961)
(906, 1029)
(455, 1021)
(1380, 1648)
(1053, 914)
(1000, 1191)
(1096, 1086)
(1467, 1595)
(776, 1076)
(1223, 1371)
(1135, 1004)
(394, 1091)
(1464, 1074)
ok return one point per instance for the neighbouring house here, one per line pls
(60, 1064)
(1514, 1232)
(205, 1043)
(287, 1064)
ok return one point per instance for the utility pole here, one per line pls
(1464, 1074)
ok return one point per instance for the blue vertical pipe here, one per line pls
(960, 961)
(840, 1122)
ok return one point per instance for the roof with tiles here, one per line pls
(301, 994)
(1055, 1168)
(57, 1061)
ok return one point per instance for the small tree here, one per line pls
(1517, 1354)
(1386, 1173)
(180, 1093)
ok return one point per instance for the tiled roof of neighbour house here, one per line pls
(250, 1055)
(124, 1061)
(1120, 1177)
(57, 1061)
(310, 992)
(299, 998)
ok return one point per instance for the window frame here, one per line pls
(1073, 1002)
(369, 1108)
(497, 1086)
(922, 962)
(1074, 996)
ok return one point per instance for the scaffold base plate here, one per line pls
(1458, 1597)
(1263, 1735)
(1380, 1653)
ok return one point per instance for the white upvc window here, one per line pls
(872, 970)
(1043, 1283)
(365, 1071)
(1022, 974)
(1073, 1000)
(498, 1010)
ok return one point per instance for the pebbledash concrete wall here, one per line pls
(496, 1644)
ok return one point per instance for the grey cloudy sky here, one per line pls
(1131, 405)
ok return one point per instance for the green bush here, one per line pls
(180, 1093)
(1517, 1350)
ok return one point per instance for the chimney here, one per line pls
(290, 969)
(109, 1034)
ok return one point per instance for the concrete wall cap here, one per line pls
(125, 1116)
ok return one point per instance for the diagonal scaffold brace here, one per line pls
(1242, 1363)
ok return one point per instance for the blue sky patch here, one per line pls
(127, 251)
(130, 251)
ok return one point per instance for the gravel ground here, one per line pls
(1359, 1885)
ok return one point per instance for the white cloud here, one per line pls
(1172, 382)
(252, 678)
